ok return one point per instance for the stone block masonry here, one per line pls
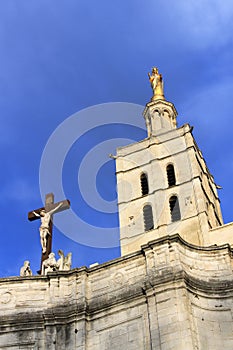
(169, 295)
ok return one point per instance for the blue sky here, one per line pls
(59, 57)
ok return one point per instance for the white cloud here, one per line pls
(173, 27)
(205, 22)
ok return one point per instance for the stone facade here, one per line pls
(168, 295)
(171, 289)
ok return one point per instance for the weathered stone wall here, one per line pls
(169, 295)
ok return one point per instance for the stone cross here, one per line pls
(46, 215)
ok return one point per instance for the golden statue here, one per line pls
(156, 81)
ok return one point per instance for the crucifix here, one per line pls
(45, 214)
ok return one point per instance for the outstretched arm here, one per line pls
(36, 214)
(53, 210)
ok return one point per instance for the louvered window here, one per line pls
(144, 184)
(174, 208)
(171, 178)
(148, 218)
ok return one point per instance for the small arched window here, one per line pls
(144, 184)
(174, 208)
(171, 178)
(148, 218)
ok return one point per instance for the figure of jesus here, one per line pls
(44, 228)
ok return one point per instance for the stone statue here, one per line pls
(156, 81)
(60, 261)
(67, 262)
(62, 264)
(49, 264)
(25, 269)
(44, 228)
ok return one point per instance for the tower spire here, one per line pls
(160, 115)
(164, 185)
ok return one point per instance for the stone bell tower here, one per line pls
(164, 185)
